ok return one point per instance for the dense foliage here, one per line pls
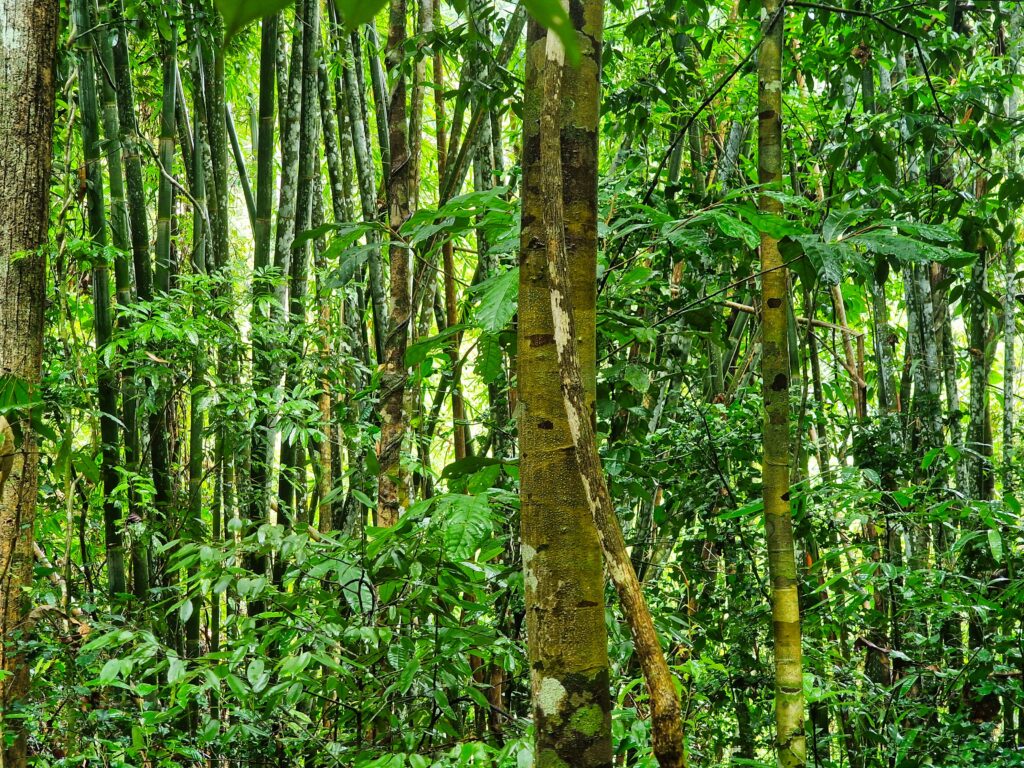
(230, 350)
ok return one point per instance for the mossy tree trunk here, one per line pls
(392, 495)
(568, 644)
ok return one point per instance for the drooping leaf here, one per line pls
(488, 359)
(238, 13)
(499, 297)
(553, 16)
(356, 12)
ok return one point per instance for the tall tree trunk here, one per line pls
(287, 208)
(139, 233)
(1009, 367)
(106, 381)
(564, 579)
(27, 79)
(292, 466)
(979, 429)
(775, 372)
(577, 392)
(355, 112)
(260, 446)
(392, 496)
(158, 426)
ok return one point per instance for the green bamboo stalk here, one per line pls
(102, 313)
(775, 372)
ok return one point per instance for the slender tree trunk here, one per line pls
(775, 372)
(448, 258)
(140, 249)
(979, 437)
(158, 426)
(260, 446)
(27, 80)
(382, 102)
(392, 495)
(1009, 367)
(291, 486)
(287, 208)
(132, 159)
(197, 413)
(106, 380)
(367, 199)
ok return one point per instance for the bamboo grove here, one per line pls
(408, 383)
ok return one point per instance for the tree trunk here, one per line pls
(392, 496)
(578, 397)
(775, 372)
(29, 31)
(106, 381)
(568, 646)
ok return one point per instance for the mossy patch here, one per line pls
(550, 759)
(588, 720)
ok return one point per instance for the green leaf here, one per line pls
(257, 675)
(638, 377)
(356, 588)
(175, 670)
(467, 466)
(466, 523)
(488, 359)
(747, 509)
(211, 730)
(110, 671)
(356, 12)
(551, 15)
(238, 13)
(995, 543)
(499, 298)
(420, 351)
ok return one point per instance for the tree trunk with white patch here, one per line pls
(565, 611)
(666, 731)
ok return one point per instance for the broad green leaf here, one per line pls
(175, 670)
(553, 16)
(257, 675)
(499, 296)
(356, 588)
(420, 351)
(466, 523)
(356, 12)
(488, 359)
(238, 13)
(995, 543)
(638, 377)
(110, 671)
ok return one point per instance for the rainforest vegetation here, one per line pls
(448, 383)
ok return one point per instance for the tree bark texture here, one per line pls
(28, 38)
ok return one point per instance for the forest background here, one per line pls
(347, 351)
